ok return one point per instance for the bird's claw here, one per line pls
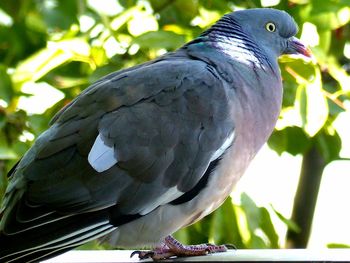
(155, 255)
(142, 254)
(172, 247)
(230, 246)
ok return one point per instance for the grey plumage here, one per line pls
(147, 150)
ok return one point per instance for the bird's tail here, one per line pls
(51, 235)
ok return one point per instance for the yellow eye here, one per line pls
(271, 27)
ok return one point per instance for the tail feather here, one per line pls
(47, 240)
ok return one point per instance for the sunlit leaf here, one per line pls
(299, 2)
(63, 82)
(141, 23)
(98, 55)
(42, 96)
(312, 105)
(289, 117)
(253, 216)
(39, 64)
(337, 72)
(206, 17)
(337, 245)
(47, 59)
(124, 17)
(105, 7)
(262, 231)
(325, 40)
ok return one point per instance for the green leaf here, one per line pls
(289, 92)
(329, 145)
(329, 16)
(160, 39)
(63, 82)
(262, 231)
(257, 242)
(38, 123)
(197, 233)
(267, 226)
(59, 14)
(335, 70)
(296, 69)
(278, 141)
(124, 17)
(35, 22)
(51, 57)
(289, 223)
(337, 245)
(128, 3)
(291, 139)
(224, 225)
(325, 40)
(6, 90)
(6, 153)
(180, 12)
(2, 118)
(252, 212)
(300, 2)
(102, 71)
(312, 104)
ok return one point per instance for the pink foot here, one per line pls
(161, 252)
(172, 248)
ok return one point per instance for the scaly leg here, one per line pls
(172, 248)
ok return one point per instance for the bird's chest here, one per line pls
(255, 116)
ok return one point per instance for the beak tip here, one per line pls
(307, 52)
(297, 47)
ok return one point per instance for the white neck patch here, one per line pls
(237, 49)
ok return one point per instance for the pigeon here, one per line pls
(150, 149)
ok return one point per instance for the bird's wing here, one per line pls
(137, 139)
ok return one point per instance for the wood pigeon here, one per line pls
(153, 148)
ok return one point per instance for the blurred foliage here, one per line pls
(51, 50)
(334, 245)
(244, 225)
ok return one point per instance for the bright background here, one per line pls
(50, 50)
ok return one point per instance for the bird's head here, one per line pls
(256, 36)
(273, 29)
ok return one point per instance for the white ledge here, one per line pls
(241, 255)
